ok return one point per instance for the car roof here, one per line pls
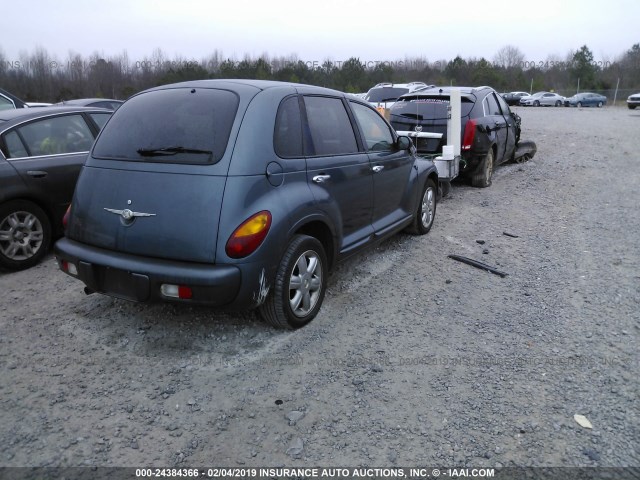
(12, 117)
(235, 83)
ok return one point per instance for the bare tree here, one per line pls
(509, 57)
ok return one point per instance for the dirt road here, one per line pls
(415, 359)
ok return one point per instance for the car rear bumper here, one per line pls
(471, 163)
(137, 278)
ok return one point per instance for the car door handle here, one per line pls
(37, 173)
(378, 168)
(321, 178)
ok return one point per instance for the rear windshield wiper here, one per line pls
(155, 152)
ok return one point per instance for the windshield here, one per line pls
(182, 125)
(385, 94)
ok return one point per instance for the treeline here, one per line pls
(40, 76)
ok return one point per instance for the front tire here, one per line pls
(25, 234)
(483, 178)
(300, 285)
(599, 104)
(579, 104)
(536, 103)
(425, 212)
(558, 103)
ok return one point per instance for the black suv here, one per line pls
(490, 131)
(240, 194)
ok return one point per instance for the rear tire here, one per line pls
(300, 285)
(536, 103)
(558, 103)
(599, 104)
(25, 234)
(483, 178)
(425, 212)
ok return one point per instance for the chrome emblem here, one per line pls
(418, 128)
(127, 214)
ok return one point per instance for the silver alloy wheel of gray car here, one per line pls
(21, 235)
(428, 207)
(305, 284)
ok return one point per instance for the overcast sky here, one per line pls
(372, 30)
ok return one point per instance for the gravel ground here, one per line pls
(415, 359)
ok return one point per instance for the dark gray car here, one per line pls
(240, 194)
(41, 153)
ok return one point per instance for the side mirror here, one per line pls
(404, 143)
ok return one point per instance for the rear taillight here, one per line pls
(69, 268)
(469, 134)
(183, 292)
(65, 219)
(249, 235)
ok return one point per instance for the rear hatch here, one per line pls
(154, 182)
(428, 112)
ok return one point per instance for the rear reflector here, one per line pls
(176, 291)
(69, 268)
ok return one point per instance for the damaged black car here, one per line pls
(490, 131)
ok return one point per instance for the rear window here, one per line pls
(182, 125)
(428, 107)
(385, 94)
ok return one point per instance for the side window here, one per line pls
(287, 137)
(376, 133)
(57, 135)
(492, 105)
(331, 130)
(100, 118)
(15, 147)
(503, 105)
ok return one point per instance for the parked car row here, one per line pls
(237, 194)
(584, 99)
